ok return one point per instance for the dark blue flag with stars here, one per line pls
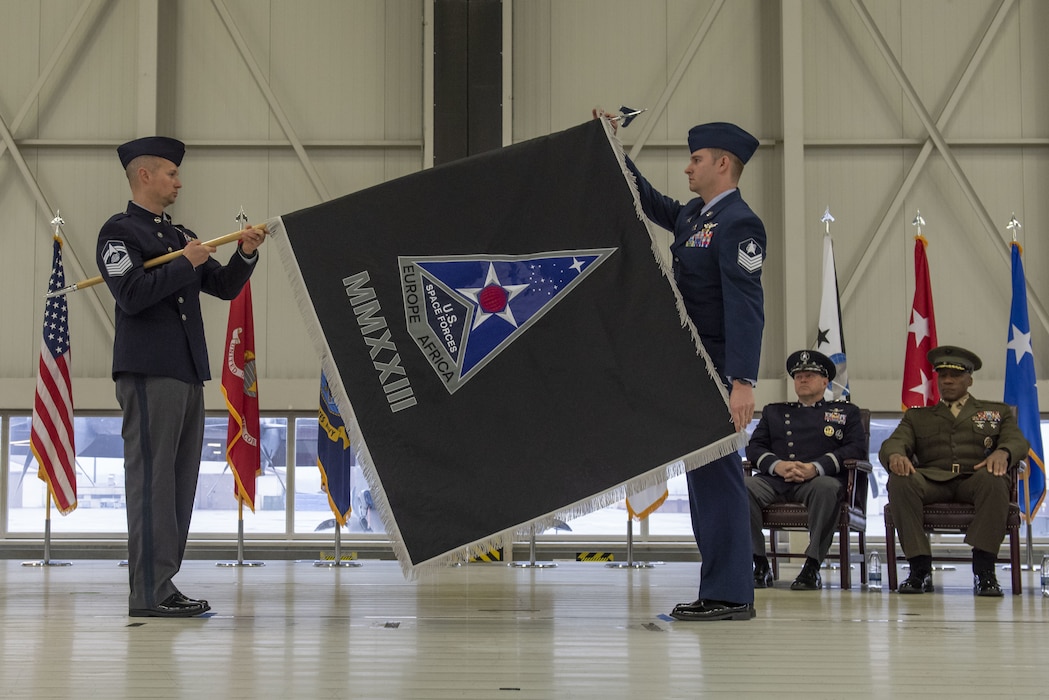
(504, 344)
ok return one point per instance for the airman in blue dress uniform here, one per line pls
(798, 451)
(160, 364)
(718, 253)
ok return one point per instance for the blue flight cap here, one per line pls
(725, 136)
(160, 146)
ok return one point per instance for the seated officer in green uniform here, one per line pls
(958, 450)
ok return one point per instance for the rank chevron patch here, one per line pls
(463, 311)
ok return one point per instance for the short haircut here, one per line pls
(736, 165)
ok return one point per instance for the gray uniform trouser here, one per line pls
(822, 498)
(989, 493)
(163, 430)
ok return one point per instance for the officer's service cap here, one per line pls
(727, 137)
(161, 146)
(811, 361)
(952, 357)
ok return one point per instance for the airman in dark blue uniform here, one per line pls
(160, 364)
(798, 450)
(718, 253)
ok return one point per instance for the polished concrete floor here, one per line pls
(578, 630)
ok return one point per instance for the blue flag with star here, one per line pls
(1021, 390)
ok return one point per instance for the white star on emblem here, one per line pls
(919, 327)
(1020, 344)
(473, 293)
(576, 265)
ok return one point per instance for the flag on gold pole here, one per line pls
(51, 436)
(241, 389)
(919, 383)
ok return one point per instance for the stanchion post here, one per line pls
(240, 542)
(532, 563)
(46, 561)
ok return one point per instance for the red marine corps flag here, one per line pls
(51, 438)
(919, 381)
(241, 389)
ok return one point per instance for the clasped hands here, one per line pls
(796, 472)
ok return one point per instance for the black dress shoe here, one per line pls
(917, 583)
(171, 607)
(808, 580)
(763, 577)
(182, 598)
(708, 610)
(986, 585)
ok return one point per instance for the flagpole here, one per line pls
(153, 262)
(629, 563)
(532, 563)
(337, 561)
(240, 541)
(46, 561)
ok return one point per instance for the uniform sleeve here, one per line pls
(659, 208)
(759, 449)
(1010, 437)
(853, 444)
(900, 442)
(226, 281)
(743, 297)
(133, 286)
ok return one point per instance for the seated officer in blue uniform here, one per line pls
(956, 451)
(798, 451)
(160, 364)
(717, 256)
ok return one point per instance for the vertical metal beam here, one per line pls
(507, 101)
(428, 88)
(679, 72)
(147, 90)
(795, 273)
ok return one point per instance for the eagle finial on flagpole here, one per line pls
(1014, 226)
(827, 218)
(918, 221)
(58, 222)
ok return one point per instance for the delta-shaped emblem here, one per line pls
(475, 306)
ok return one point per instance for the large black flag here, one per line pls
(503, 342)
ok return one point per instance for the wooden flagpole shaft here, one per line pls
(153, 262)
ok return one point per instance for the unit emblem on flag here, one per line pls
(750, 255)
(463, 311)
(116, 258)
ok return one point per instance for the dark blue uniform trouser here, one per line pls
(163, 430)
(721, 522)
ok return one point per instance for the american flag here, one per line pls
(51, 438)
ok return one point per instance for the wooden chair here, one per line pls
(793, 516)
(956, 517)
